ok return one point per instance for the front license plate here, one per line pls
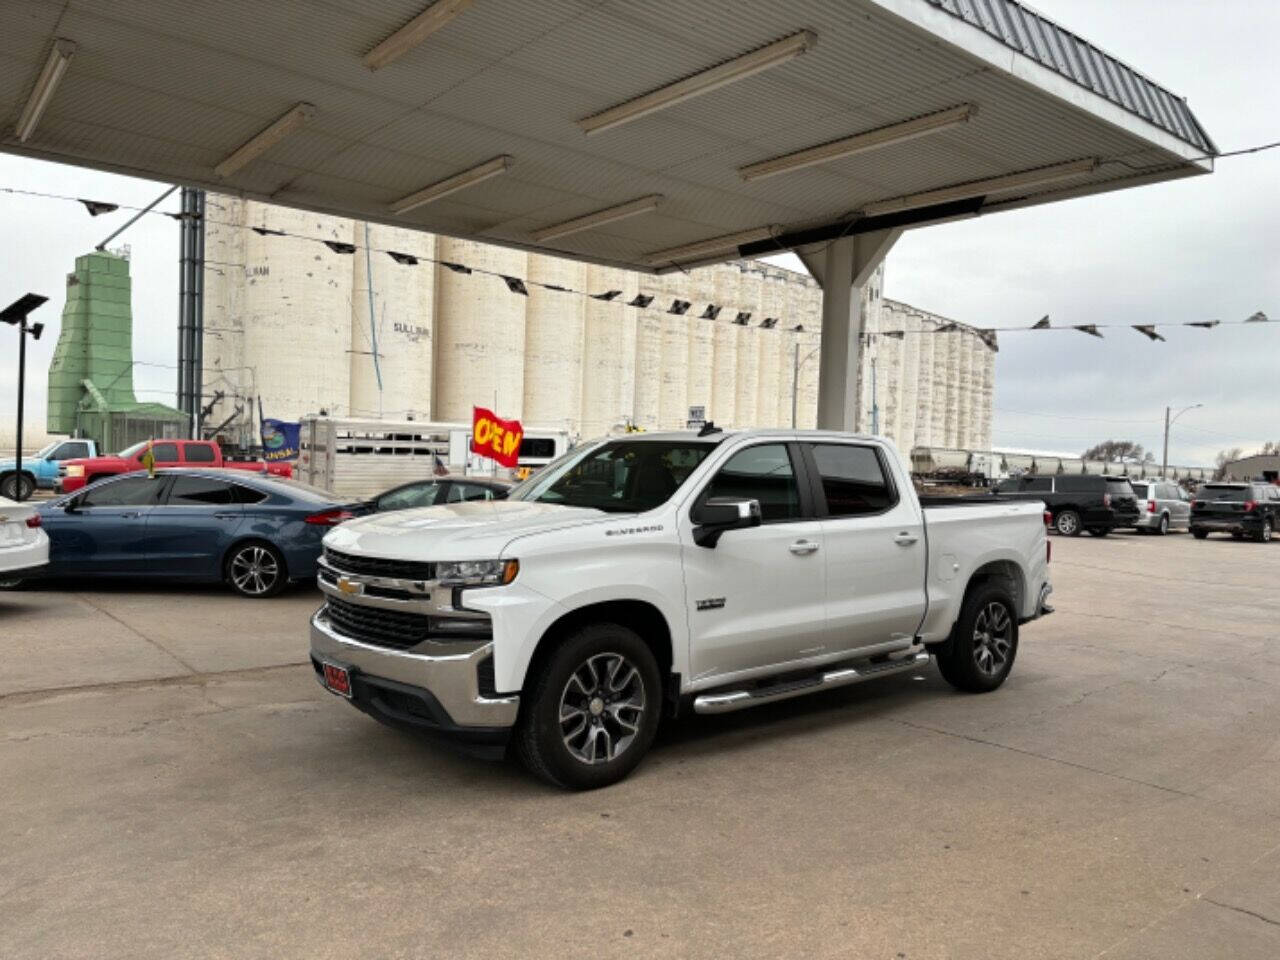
(337, 680)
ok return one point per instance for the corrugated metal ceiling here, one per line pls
(167, 89)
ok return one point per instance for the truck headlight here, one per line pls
(477, 573)
(75, 470)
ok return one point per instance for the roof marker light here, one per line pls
(739, 68)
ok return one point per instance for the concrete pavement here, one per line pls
(174, 783)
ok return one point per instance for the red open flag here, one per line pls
(493, 437)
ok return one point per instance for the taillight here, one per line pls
(1151, 506)
(1048, 519)
(1106, 499)
(330, 518)
(1249, 505)
(33, 521)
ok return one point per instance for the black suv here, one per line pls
(1240, 509)
(1078, 502)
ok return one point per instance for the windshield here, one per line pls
(1119, 487)
(45, 451)
(1211, 492)
(618, 476)
(1140, 491)
(128, 452)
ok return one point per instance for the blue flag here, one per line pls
(280, 440)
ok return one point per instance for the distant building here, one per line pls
(287, 320)
(1260, 465)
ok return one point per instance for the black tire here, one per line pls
(1067, 523)
(1237, 535)
(1264, 535)
(976, 666)
(17, 487)
(1099, 531)
(255, 569)
(1163, 529)
(1200, 534)
(564, 683)
(14, 584)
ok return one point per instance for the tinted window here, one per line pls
(70, 450)
(459, 492)
(853, 479)
(163, 452)
(198, 453)
(126, 492)
(539, 448)
(1008, 486)
(241, 494)
(199, 492)
(1119, 487)
(761, 473)
(1140, 491)
(417, 495)
(1213, 492)
(1038, 485)
(1079, 484)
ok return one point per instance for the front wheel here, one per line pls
(256, 570)
(1067, 523)
(1200, 534)
(15, 486)
(984, 641)
(593, 709)
(1099, 531)
(1163, 529)
(1264, 535)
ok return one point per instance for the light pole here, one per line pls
(1164, 460)
(16, 313)
(796, 364)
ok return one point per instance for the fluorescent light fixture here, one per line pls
(739, 68)
(426, 23)
(706, 248)
(244, 155)
(459, 181)
(46, 84)
(599, 218)
(979, 188)
(860, 142)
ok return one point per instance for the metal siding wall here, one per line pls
(553, 353)
(479, 333)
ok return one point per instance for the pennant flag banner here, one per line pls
(679, 307)
(555, 286)
(97, 207)
(337, 246)
(1258, 317)
(769, 322)
(1148, 331)
(606, 296)
(515, 285)
(895, 334)
(407, 259)
(1204, 324)
(742, 319)
(640, 301)
(710, 313)
(268, 232)
(455, 267)
(1042, 323)
(1089, 328)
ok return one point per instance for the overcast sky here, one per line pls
(1197, 249)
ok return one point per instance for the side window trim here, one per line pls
(821, 510)
(798, 471)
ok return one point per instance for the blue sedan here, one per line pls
(256, 533)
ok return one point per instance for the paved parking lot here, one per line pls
(174, 784)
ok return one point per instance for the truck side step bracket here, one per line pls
(726, 701)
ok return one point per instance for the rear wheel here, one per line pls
(256, 570)
(593, 709)
(1163, 529)
(1067, 523)
(1200, 534)
(984, 641)
(1099, 531)
(1264, 535)
(15, 486)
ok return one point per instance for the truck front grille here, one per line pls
(379, 567)
(377, 625)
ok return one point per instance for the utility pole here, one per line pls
(875, 407)
(1164, 460)
(16, 313)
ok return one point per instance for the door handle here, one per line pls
(226, 516)
(131, 516)
(905, 539)
(803, 547)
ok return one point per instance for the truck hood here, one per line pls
(106, 460)
(456, 531)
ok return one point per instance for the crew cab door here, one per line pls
(756, 598)
(873, 535)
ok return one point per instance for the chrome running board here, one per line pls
(730, 700)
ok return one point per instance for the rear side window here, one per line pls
(1078, 484)
(1119, 488)
(163, 452)
(199, 453)
(199, 492)
(460, 492)
(853, 479)
(1037, 485)
(126, 492)
(246, 495)
(1140, 491)
(762, 473)
(418, 495)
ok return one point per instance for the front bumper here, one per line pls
(433, 688)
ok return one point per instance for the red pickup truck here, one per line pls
(74, 474)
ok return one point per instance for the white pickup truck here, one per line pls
(648, 574)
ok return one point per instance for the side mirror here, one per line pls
(72, 505)
(720, 514)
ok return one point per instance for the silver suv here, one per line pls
(1162, 506)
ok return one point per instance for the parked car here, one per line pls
(24, 546)
(661, 572)
(75, 474)
(1077, 502)
(1240, 509)
(256, 533)
(40, 469)
(444, 489)
(1162, 506)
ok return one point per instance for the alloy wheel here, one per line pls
(1164, 526)
(992, 638)
(254, 570)
(1068, 523)
(601, 708)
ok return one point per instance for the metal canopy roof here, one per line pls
(172, 90)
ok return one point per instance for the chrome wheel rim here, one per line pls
(992, 638)
(1067, 523)
(1266, 532)
(1164, 525)
(254, 570)
(601, 708)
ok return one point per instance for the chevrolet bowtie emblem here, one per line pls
(349, 586)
